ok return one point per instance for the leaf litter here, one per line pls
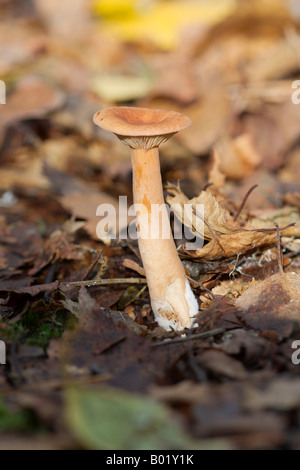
(87, 366)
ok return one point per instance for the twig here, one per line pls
(207, 186)
(105, 282)
(235, 265)
(244, 201)
(279, 253)
(135, 297)
(93, 264)
(202, 286)
(280, 229)
(204, 334)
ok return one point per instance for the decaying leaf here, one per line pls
(219, 221)
(227, 239)
(238, 157)
(272, 304)
(215, 175)
(112, 419)
(283, 217)
(227, 246)
(281, 394)
(32, 99)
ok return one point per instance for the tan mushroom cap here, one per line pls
(141, 127)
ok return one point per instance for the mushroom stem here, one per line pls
(143, 130)
(172, 299)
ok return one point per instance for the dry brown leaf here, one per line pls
(276, 61)
(215, 175)
(280, 394)
(290, 172)
(282, 217)
(216, 219)
(227, 238)
(84, 204)
(238, 157)
(292, 199)
(183, 90)
(29, 177)
(220, 365)
(31, 99)
(18, 45)
(210, 118)
(232, 287)
(267, 137)
(227, 246)
(54, 15)
(272, 304)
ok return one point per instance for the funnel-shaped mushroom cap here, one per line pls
(141, 127)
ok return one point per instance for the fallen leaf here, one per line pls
(283, 217)
(207, 126)
(133, 23)
(215, 175)
(31, 99)
(54, 13)
(111, 419)
(281, 394)
(238, 156)
(272, 304)
(122, 88)
(218, 219)
(82, 201)
(227, 239)
(227, 246)
(219, 365)
(247, 345)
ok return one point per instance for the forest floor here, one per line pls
(87, 366)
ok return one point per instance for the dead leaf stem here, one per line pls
(204, 334)
(279, 252)
(105, 282)
(244, 202)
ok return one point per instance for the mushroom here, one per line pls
(143, 130)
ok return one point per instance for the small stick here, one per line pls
(104, 282)
(93, 264)
(235, 265)
(207, 186)
(244, 201)
(279, 252)
(204, 334)
(202, 287)
(280, 229)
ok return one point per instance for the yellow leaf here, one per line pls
(118, 88)
(159, 22)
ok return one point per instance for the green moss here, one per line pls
(14, 420)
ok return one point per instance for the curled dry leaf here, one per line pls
(216, 219)
(226, 246)
(226, 237)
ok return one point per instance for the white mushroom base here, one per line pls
(170, 312)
